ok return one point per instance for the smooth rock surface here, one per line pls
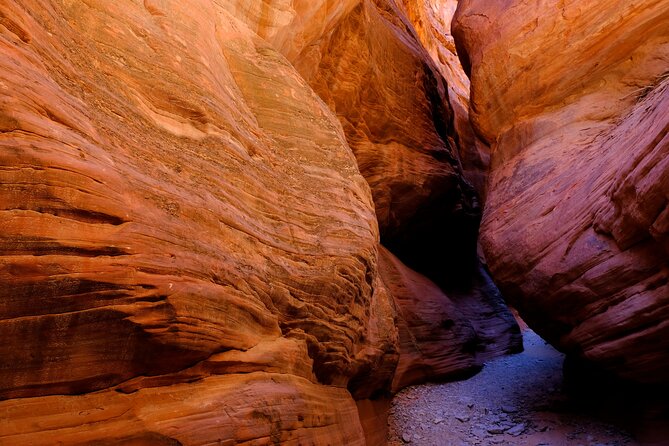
(444, 336)
(432, 22)
(407, 124)
(391, 99)
(574, 99)
(253, 408)
(433, 333)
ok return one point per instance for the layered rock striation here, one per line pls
(190, 248)
(574, 98)
(390, 73)
(445, 336)
(432, 22)
(392, 102)
(164, 223)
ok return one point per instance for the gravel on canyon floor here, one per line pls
(515, 400)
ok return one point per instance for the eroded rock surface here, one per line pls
(189, 251)
(391, 99)
(165, 220)
(576, 222)
(390, 72)
(432, 22)
(444, 336)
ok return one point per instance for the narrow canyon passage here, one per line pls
(516, 400)
(254, 222)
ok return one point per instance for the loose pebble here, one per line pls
(516, 401)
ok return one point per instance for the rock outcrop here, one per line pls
(432, 21)
(408, 126)
(574, 99)
(190, 253)
(445, 337)
(165, 222)
(392, 102)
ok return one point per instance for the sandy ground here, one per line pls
(515, 400)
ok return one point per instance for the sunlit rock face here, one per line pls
(293, 27)
(432, 21)
(391, 99)
(177, 205)
(190, 248)
(574, 99)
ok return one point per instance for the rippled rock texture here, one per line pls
(390, 72)
(432, 21)
(165, 220)
(445, 336)
(392, 102)
(574, 99)
(190, 247)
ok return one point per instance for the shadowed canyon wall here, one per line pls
(432, 21)
(400, 122)
(192, 199)
(573, 97)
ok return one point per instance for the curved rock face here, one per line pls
(576, 222)
(392, 102)
(432, 21)
(166, 220)
(392, 76)
(293, 27)
(445, 336)
(189, 250)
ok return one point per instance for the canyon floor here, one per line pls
(515, 400)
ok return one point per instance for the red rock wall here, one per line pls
(444, 336)
(402, 108)
(574, 99)
(392, 102)
(189, 250)
(432, 22)
(165, 217)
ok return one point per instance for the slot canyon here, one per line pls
(296, 222)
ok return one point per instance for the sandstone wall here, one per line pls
(190, 247)
(165, 219)
(390, 72)
(574, 99)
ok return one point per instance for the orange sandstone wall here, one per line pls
(165, 222)
(190, 248)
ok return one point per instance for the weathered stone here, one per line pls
(509, 409)
(496, 430)
(517, 429)
(170, 238)
(462, 417)
(576, 226)
(189, 249)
